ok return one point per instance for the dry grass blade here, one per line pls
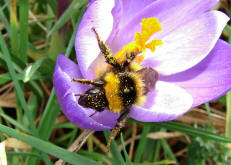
(3, 159)
(7, 96)
(100, 145)
(200, 116)
(16, 144)
(78, 143)
(34, 18)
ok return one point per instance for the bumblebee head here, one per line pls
(93, 98)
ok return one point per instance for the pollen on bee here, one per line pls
(112, 92)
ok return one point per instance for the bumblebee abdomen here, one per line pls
(127, 90)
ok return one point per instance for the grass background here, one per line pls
(33, 129)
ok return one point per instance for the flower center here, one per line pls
(149, 27)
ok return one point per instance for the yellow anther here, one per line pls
(149, 27)
(139, 58)
(152, 45)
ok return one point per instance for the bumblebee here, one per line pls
(124, 84)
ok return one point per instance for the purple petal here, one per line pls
(98, 15)
(166, 102)
(171, 15)
(188, 45)
(125, 10)
(65, 90)
(208, 80)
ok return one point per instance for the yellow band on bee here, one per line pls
(112, 92)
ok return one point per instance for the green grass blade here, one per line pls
(116, 155)
(141, 145)
(23, 154)
(4, 78)
(44, 130)
(74, 7)
(228, 29)
(53, 5)
(174, 126)
(96, 156)
(128, 161)
(163, 162)
(16, 85)
(52, 96)
(168, 150)
(13, 121)
(65, 125)
(14, 26)
(30, 69)
(47, 147)
(19, 92)
(228, 97)
(23, 23)
(228, 115)
(3, 18)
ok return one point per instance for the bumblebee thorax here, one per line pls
(122, 90)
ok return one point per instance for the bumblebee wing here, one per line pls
(149, 77)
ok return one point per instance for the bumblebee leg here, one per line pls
(110, 59)
(120, 122)
(86, 81)
(82, 81)
(80, 94)
(129, 57)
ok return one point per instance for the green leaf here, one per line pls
(116, 155)
(141, 145)
(174, 126)
(23, 13)
(4, 78)
(14, 26)
(56, 46)
(228, 115)
(47, 147)
(228, 29)
(31, 69)
(96, 156)
(74, 7)
(157, 163)
(13, 121)
(168, 150)
(128, 161)
(16, 84)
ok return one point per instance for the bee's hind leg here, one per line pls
(120, 122)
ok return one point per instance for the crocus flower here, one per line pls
(194, 65)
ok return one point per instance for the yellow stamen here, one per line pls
(149, 27)
(139, 58)
(152, 45)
